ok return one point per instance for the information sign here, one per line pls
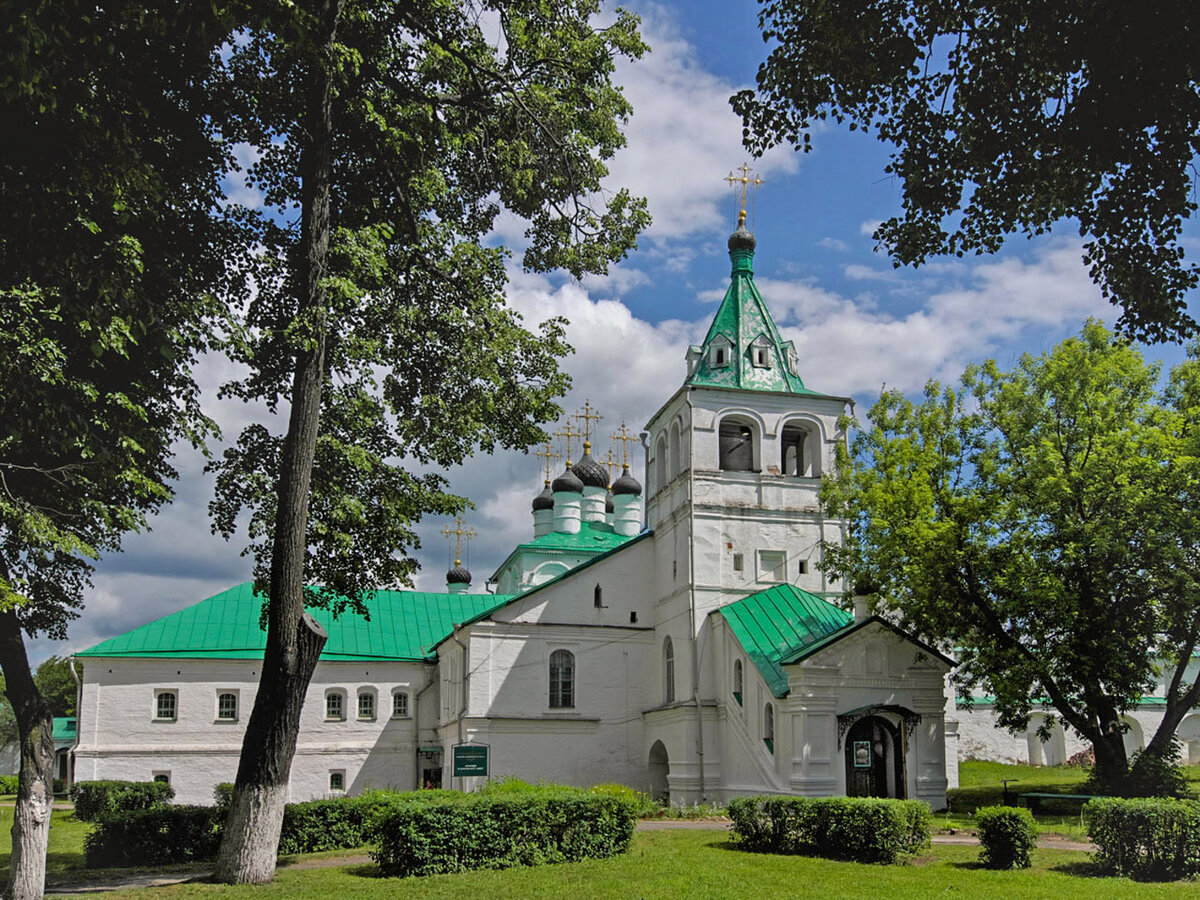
(470, 759)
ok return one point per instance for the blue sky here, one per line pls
(858, 322)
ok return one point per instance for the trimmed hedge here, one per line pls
(850, 828)
(9, 784)
(499, 830)
(1007, 835)
(152, 837)
(1147, 838)
(336, 824)
(94, 799)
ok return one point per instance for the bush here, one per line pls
(643, 804)
(851, 828)
(1007, 835)
(8, 784)
(152, 837)
(223, 795)
(427, 835)
(1149, 838)
(1158, 774)
(341, 823)
(94, 799)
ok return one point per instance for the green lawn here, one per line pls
(671, 864)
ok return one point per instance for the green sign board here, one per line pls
(470, 759)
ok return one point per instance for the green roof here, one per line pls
(403, 625)
(777, 623)
(64, 729)
(742, 324)
(594, 537)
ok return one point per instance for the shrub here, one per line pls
(94, 799)
(427, 835)
(8, 784)
(1157, 773)
(1007, 835)
(852, 828)
(339, 823)
(152, 837)
(643, 804)
(223, 795)
(1150, 838)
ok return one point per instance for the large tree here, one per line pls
(111, 249)
(392, 137)
(1044, 522)
(1009, 118)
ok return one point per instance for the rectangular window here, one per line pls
(333, 705)
(772, 565)
(366, 705)
(227, 707)
(400, 705)
(337, 780)
(739, 562)
(803, 567)
(165, 705)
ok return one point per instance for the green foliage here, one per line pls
(98, 799)
(1007, 836)
(223, 795)
(643, 804)
(8, 784)
(152, 837)
(55, 682)
(333, 824)
(1043, 521)
(1146, 838)
(428, 836)
(850, 828)
(1155, 772)
(1008, 119)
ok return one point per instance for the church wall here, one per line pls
(120, 738)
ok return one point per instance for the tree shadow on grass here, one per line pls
(365, 870)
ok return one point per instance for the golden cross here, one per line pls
(624, 437)
(610, 462)
(589, 415)
(458, 533)
(567, 434)
(547, 454)
(745, 181)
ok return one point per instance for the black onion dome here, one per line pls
(627, 484)
(567, 483)
(608, 503)
(458, 575)
(590, 472)
(742, 239)
(544, 500)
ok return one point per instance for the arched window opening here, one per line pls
(676, 451)
(737, 681)
(166, 705)
(737, 446)
(769, 727)
(668, 671)
(400, 705)
(227, 707)
(562, 680)
(660, 463)
(800, 452)
(366, 704)
(335, 706)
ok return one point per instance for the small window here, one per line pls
(400, 705)
(366, 704)
(772, 565)
(562, 680)
(337, 780)
(769, 727)
(803, 567)
(668, 671)
(165, 705)
(739, 562)
(598, 597)
(761, 357)
(227, 707)
(335, 706)
(719, 356)
(162, 777)
(737, 681)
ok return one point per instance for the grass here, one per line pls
(670, 864)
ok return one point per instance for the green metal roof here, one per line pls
(776, 623)
(741, 323)
(403, 625)
(593, 537)
(64, 729)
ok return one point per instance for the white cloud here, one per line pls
(832, 243)
(868, 228)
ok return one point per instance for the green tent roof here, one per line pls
(777, 623)
(64, 729)
(403, 625)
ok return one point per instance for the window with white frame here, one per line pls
(366, 704)
(400, 705)
(166, 705)
(335, 706)
(772, 565)
(227, 706)
(562, 679)
(337, 780)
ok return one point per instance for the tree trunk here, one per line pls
(294, 639)
(35, 790)
(1112, 763)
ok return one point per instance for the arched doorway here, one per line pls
(874, 759)
(659, 767)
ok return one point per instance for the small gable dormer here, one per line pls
(760, 352)
(720, 352)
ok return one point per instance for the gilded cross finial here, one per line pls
(589, 415)
(610, 463)
(746, 182)
(458, 534)
(625, 438)
(568, 434)
(548, 455)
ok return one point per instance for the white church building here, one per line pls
(682, 640)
